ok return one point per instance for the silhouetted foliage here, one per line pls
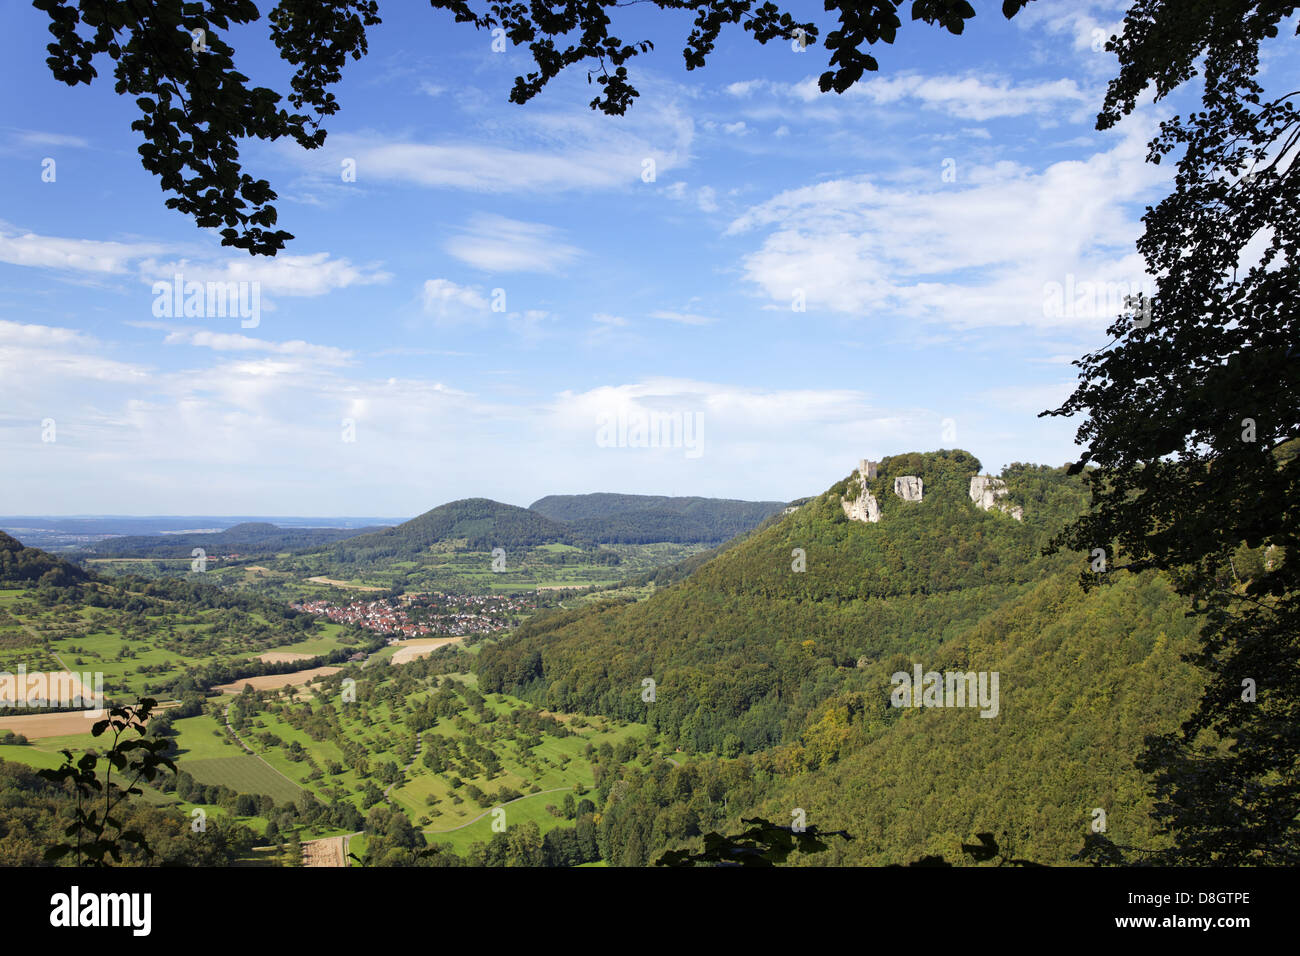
(97, 833)
(1189, 412)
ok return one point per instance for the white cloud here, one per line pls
(1088, 25)
(30, 137)
(78, 255)
(735, 425)
(705, 197)
(497, 244)
(683, 318)
(293, 275)
(38, 361)
(233, 342)
(445, 299)
(744, 87)
(312, 274)
(534, 151)
(44, 336)
(972, 96)
(978, 252)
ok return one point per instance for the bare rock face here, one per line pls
(986, 491)
(908, 487)
(864, 507)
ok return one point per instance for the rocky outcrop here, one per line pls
(908, 487)
(987, 492)
(864, 506)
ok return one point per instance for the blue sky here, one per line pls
(922, 219)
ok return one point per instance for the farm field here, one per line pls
(472, 753)
(296, 758)
(150, 644)
(447, 566)
(268, 681)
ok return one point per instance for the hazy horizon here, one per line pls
(802, 279)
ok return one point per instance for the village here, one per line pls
(423, 615)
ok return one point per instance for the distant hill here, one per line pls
(482, 524)
(783, 645)
(249, 538)
(640, 519)
(20, 565)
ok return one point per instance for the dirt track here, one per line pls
(321, 579)
(328, 851)
(420, 646)
(280, 657)
(276, 681)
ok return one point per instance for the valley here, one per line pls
(297, 705)
(661, 698)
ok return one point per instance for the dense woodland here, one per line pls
(750, 656)
(22, 566)
(249, 538)
(638, 519)
(480, 523)
(772, 679)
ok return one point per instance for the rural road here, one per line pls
(409, 764)
(506, 804)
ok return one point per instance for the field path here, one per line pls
(409, 764)
(527, 796)
(240, 740)
(321, 579)
(276, 681)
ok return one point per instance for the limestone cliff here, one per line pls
(908, 487)
(986, 491)
(862, 508)
(860, 504)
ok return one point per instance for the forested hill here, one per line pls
(749, 654)
(20, 565)
(478, 524)
(247, 539)
(638, 519)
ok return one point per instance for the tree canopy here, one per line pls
(195, 105)
(1192, 413)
